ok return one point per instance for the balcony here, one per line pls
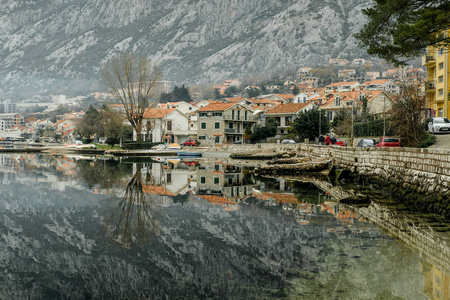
(232, 131)
(429, 87)
(428, 60)
(229, 117)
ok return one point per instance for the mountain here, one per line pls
(58, 46)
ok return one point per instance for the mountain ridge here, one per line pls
(59, 46)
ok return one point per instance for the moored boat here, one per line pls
(198, 154)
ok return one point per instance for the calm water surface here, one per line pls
(72, 228)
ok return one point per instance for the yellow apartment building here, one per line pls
(437, 85)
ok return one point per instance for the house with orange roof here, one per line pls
(303, 72)
(304, 97)
(378, 102)
(342, 86)
(168, 125)
(284, 114)
(310, 81)
(182, 106)
(219, 123)
(387, 85)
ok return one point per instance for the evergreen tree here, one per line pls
(399, 29)
(295, 90)
(217, 95)
(180, 94)
(306, 124)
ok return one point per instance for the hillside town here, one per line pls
(235, 109)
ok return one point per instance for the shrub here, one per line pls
(430, 140)
(112, 141)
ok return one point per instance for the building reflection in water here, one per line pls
(140, 192)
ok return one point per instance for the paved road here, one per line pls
(442, 141)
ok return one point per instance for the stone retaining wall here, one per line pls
(418, 176)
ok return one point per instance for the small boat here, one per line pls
(197, 154)
(173, 146)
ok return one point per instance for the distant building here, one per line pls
(342, 86)
(338, 62)
(358, 61)
(232, 82)
(163, 87)
(59, 100)
(6, 107)
(303, 72)
(11, 120)
(372, 75)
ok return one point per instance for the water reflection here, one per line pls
(203, 230)
(131, 219)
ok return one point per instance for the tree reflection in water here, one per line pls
(132, 219)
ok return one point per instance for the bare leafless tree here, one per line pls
(408, 113)
(132, 218)
(133, 81)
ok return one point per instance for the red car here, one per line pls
(190, 142)
(388, 141)
(339, 142)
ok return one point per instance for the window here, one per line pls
(203, 114)
(203, 125)
(202, 137)
(217, 114)
(441, 92)
(441, 112)
(230, 125)
(217, 139)
(441, 66)
(217, 167)
(169, 178)
(441, 79)
(330, 115)
(441, 51)
(338, 101)
(217, 125)
(192, 125)
(216, 180)
(169, 125)
(202, 179)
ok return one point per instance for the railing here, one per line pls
(240, 118)
(429, 86)
(232, 130)
(427, 59)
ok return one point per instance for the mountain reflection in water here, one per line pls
(100, 229)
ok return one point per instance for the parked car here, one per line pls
(288, 142)
(238, 142)
(365, 143)
(388, 141)
(339, 142)
(190, 142)
(439, 125)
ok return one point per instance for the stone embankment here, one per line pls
(420, 177)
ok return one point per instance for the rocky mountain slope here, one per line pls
(59, 45)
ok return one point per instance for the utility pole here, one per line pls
(384, 114)
(353, 105)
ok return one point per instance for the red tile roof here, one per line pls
(287, 108)
(217, 107)
(157, 113)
